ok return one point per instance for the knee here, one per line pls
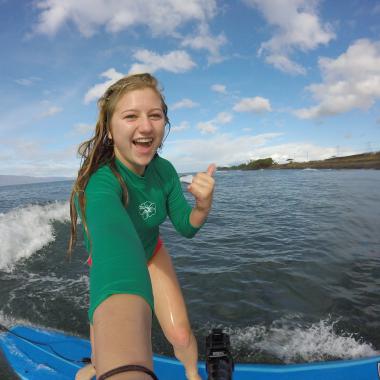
(180, 337)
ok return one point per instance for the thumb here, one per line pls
(211, 170)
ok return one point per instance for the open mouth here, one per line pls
(143, 141)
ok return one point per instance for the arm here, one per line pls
(119, 262)
(202, 188)
(110, 227)
(185, 219)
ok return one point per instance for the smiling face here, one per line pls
(137, 128)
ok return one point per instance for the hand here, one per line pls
(202, 188)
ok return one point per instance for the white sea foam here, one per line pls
(317, 342)
(186, 178)
(9, 321)
(25, 230)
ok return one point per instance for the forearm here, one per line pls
(202, 188)
(198, 217)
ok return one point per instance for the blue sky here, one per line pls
(243, 79)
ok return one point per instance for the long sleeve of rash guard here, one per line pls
(178, 208)
(119, 264)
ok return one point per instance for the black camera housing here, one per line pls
(219, 361)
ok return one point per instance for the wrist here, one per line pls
(198, 216)
(203, 209)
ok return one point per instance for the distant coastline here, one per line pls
(357, 161)
(8, 180)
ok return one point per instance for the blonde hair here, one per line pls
(99, 150)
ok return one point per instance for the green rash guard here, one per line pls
(123, 238)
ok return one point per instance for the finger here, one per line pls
(203, 179)
(201, 190)
(211, 170)
(206, 186)
(197, 192)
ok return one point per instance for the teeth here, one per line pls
(143, 140)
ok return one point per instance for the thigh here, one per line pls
(122, 332)
(169, 304)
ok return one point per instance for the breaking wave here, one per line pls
(26, 230)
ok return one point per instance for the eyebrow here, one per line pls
(135, 110)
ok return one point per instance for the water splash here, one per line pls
(26, 230)
(186, 178)
(319, 341)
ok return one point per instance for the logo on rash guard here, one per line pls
(147, 209)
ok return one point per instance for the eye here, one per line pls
(130, 116)
(156, 116)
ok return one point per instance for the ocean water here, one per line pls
(288, 264)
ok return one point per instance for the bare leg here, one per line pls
(171, 312)
(88, 371)
(122, 332)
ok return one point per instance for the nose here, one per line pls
(145, 124)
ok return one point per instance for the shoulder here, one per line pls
(164, 167)
(168, 175)
(103, 181)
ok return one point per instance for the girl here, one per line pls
(123, 192)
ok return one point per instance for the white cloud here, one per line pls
(27, 81)
(162, 17)
(49, 167)
(98, 90)
(299, 151)
(24, 157)
(52, 110)
(283, 63)
(204, 40)
(226, 150)
(207, 127)
(376, 8)
(22, 149)
(180, 128)
(184, 103)
(223, 149)
(256, 104)
(177, 61)
(221, 88)
(24, 81)
(350, 81)
(297, 27)
(304, 151)
(210, 126)
(223, 118)
(83, 128)
(26, 115)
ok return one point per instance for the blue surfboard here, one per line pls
(41, 354)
